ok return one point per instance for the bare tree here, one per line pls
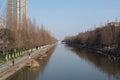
(101, 37)
(25, 34)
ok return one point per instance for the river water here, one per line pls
(67, 63)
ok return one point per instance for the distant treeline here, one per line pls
(105, 36)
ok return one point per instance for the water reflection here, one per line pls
(67, 63)
(32, 73)
(99, 61)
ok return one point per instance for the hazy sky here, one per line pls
(69, 17)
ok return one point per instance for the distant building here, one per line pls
(16, 12)
(116, 24)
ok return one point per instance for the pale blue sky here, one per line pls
(69, 17)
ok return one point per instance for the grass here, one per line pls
(2, 59)
(23, 53)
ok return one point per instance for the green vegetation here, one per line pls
(2, 59)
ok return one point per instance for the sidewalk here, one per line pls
(8, 69)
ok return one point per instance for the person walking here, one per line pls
(13, 62)
(29, 56)
(6, 58)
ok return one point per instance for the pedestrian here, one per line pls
(13, 62)
(29, 54)
(6, 58)
(29, 57)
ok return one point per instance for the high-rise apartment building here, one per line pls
(16, 12)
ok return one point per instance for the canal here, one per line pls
(67, 63)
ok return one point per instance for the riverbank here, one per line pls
(8, 69)
(113, 53)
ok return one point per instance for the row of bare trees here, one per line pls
(20, 36)
(27, 35)
(103, 36)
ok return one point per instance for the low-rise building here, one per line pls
(116, 24)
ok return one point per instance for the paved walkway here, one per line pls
(8, 69)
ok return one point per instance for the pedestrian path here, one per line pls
(8, 69)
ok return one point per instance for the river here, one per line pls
(67, 63)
